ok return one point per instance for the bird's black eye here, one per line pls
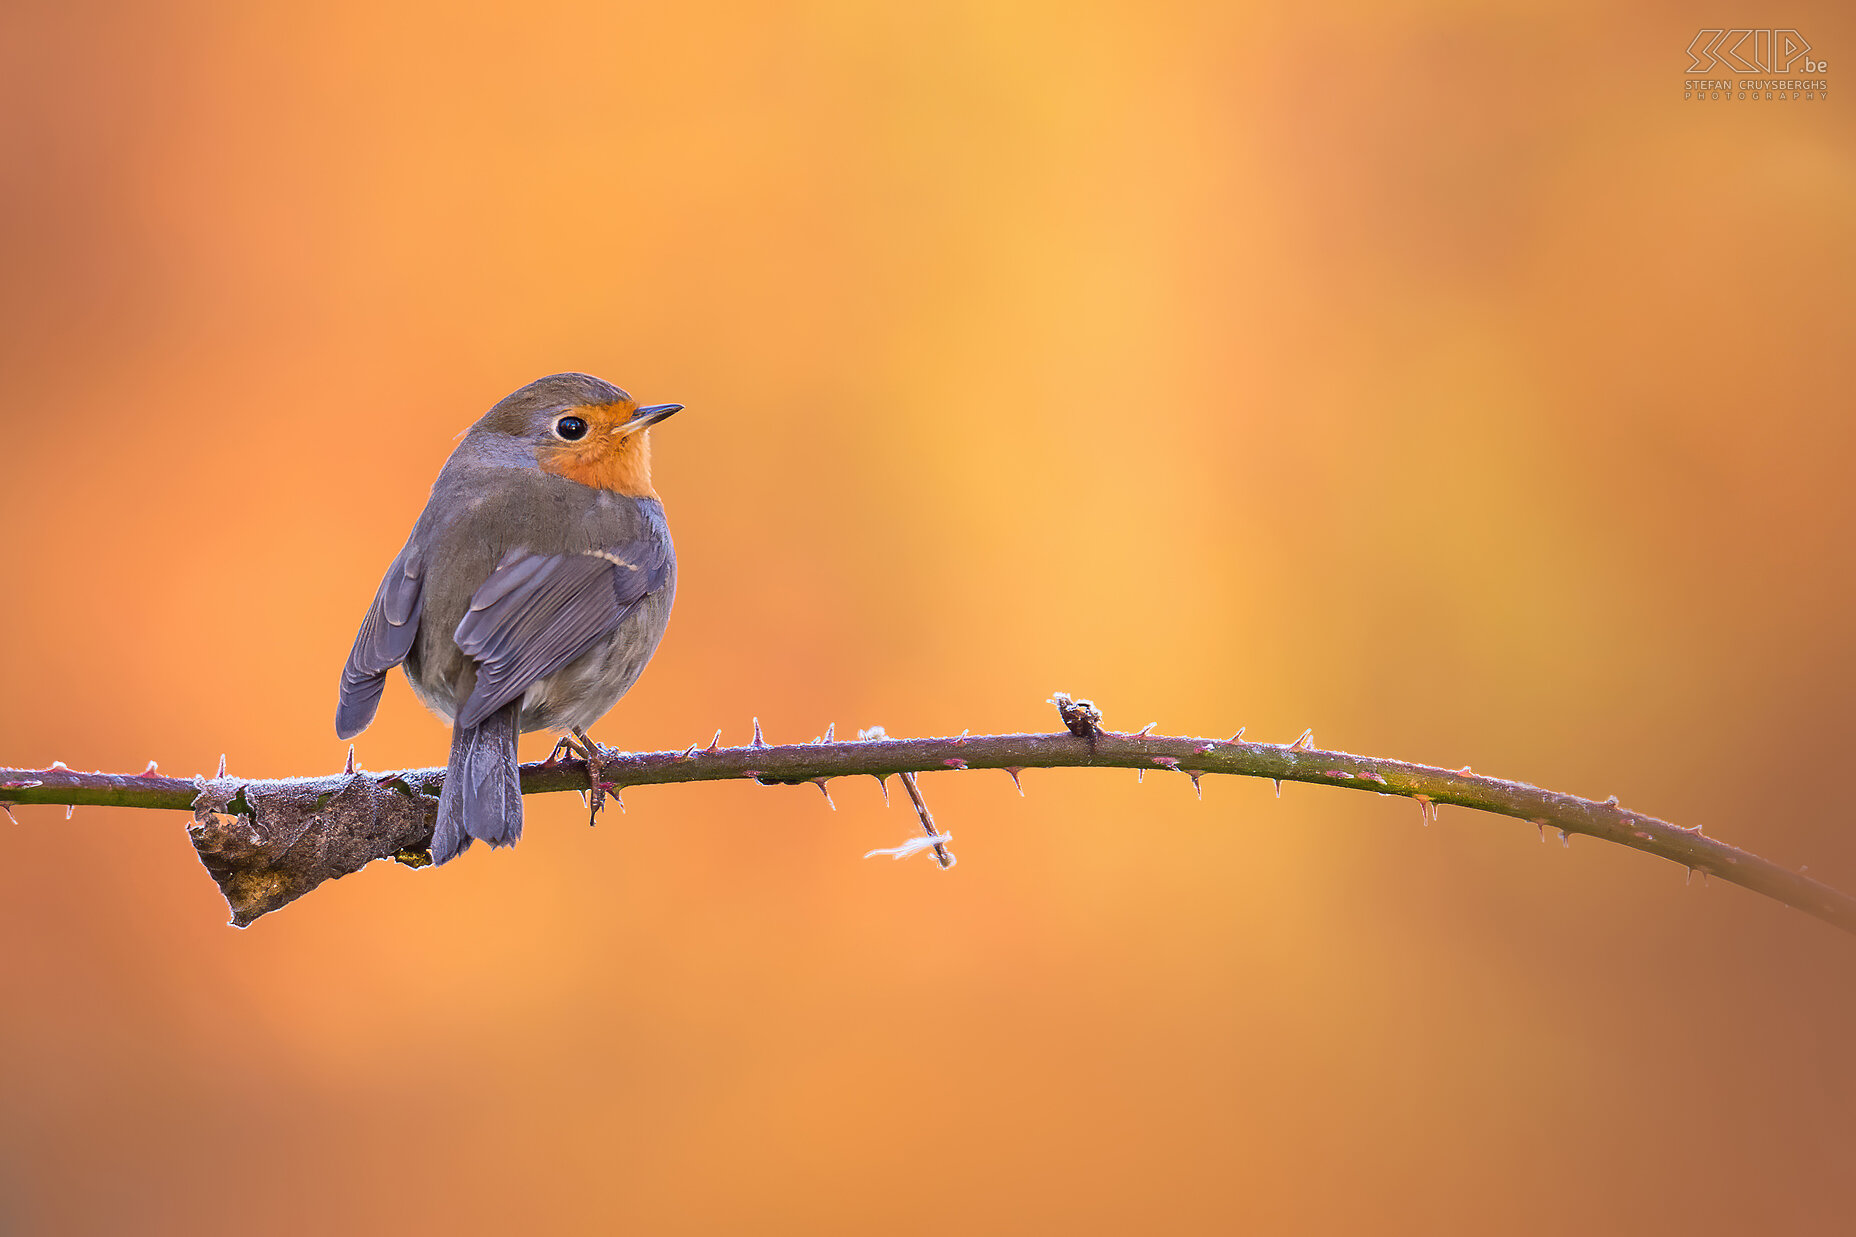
(571, 428)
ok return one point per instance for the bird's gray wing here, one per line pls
(537, 612)
(386, 636)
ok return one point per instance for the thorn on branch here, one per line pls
(757, 741)
(347, 769)
(882, 779)
(153, 769)
(1015, 770)
(1234, 738)
(824, 790)
(1305, 743)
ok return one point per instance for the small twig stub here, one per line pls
(942, 855)
(1080, 717)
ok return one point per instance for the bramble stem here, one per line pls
(269, 841)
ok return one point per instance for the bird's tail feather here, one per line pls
(482, 794)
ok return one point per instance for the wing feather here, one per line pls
(538, 612)
(385, 638)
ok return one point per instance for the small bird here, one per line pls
(533, 590)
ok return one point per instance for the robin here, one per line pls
(532, 592)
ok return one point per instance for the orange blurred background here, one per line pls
(1430, 375)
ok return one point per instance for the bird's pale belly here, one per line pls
(584, 690)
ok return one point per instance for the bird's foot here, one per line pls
(579, 743)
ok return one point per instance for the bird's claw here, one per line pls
(577, 743)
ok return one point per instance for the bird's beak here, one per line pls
(649, 415)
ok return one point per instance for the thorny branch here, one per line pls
(267, 842)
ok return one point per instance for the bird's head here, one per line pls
(584, 429)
